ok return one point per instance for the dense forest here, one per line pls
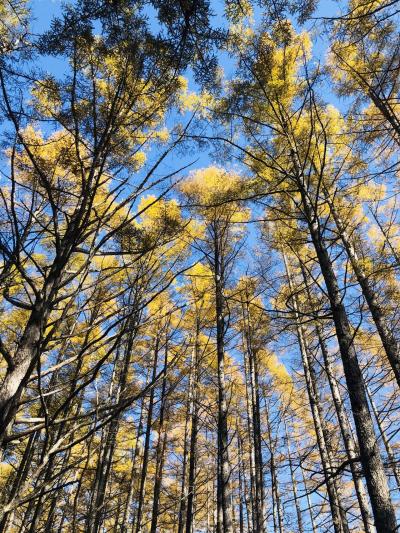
(200, 266)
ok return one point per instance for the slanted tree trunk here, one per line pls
(96, 510)
(24, 362)
(104, 467)
(307, 494)
(386, 237)
(378, 489)
(347, 436)
(389, 450)
(344, 424)
(338, 516)
(388, 339)
(20, 478)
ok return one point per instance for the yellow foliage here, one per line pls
(370, 191)
(215, 193)
(192, 101)
(5, 470)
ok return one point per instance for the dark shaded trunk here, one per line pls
(382, 507)
(347, 435)
(389, 341)
(223, 487)
(160, 448)
(338, 515)
(194, 415)
(183, 494)
(255, 418)
(344, 424)
(143, 476)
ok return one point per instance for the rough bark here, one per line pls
(143, 476)
(389, 341)
(378, 489)
(194, 415)
(254, 418)
(224, 499)
(338, 517)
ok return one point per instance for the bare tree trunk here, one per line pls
(125, 518)
(143, 476)
(294, 484)
(386, 237)
(241, 480)
(20, 478)
(160, 448)
(389, 450)
(107, 444)
(389, 341)
(378, 489)
(338, 517)
(184, 490)
(224, 499)
(347, 436)
(278, 514)
(28, 350)
(344, 424)
(24, 363)
(250, 434)
(255, 426)
(309, 503)
(194, 414)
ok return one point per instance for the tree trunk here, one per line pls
(252, 514)
(344, 424)
(255, 418)
(309, 504)
(294, 485)
(28, 351)
(338, 517)
(143, 476)
(347, 436)
(241, 480)
(390, 453)
(125, 517)
(277, 507)
(160, 448)
(389, 341)
(194, 414)
(224, 499)
(384, 514)
(184, 490)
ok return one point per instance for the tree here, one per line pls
(209, 189)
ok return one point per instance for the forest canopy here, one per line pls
(199, 266)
